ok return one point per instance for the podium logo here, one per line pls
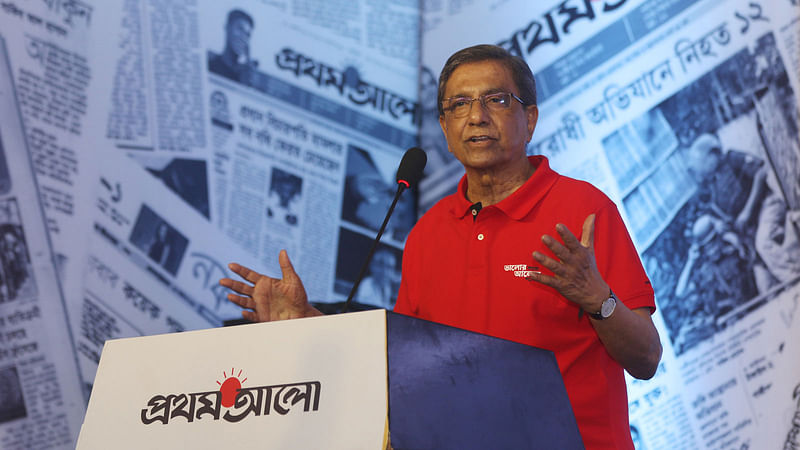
(233, 402)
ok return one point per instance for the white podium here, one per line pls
(307, 383)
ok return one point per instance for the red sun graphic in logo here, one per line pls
(230, 387)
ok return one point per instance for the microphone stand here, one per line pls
(401, 186)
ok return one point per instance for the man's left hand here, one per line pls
(629, 336)
(575, 273)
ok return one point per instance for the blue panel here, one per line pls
(450, 388)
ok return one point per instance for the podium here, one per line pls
(338, 381)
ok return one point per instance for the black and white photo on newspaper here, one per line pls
(710, 184)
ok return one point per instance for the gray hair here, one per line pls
(520, 72)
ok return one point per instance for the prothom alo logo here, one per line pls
(233, 402)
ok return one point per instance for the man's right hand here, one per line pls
(264, 298)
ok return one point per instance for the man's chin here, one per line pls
(481, 162)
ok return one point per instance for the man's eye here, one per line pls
(459, 103)
(498, 99)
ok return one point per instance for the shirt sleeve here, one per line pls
(619, 262)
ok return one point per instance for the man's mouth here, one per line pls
(479, 139)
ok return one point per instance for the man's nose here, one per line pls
(477, 112)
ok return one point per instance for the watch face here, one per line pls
(608, 307)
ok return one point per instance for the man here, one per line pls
(731, 184)
(284, 195)
(481, 259)
(717, 277)
(158, 250)
(234, 62)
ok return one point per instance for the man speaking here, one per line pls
(499, 256)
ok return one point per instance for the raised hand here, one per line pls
(575, 273)
(264, 298)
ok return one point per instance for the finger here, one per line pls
(250, 315)
(245, 272)
(544, 279)
(287, 270)
(556, 247)
(587, 234)
(570, 241)
(555, 266)
(244, 302)
(237, 286)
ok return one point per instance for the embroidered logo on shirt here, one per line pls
(521, 270)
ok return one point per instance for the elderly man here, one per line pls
(482, 259)
(234, 62)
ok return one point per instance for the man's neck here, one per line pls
(491, 186)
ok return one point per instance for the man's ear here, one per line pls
(532, 112)
(442, 124)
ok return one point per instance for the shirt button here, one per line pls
(474, 212)
(480, 236)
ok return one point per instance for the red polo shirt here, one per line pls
(470, 273)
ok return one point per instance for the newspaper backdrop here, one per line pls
(149, 142)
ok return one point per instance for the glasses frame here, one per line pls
(482, 99)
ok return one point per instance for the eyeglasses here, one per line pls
(461, 106)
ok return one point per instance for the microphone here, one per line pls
(411, 167)
(408, 175)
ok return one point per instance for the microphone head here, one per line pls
(411, 167)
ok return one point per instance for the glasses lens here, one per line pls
(459, 106)
(501, 100)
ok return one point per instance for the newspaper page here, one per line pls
(41, 401)
(686, 114)
(153, 265)
(51, 46)
(282, 123)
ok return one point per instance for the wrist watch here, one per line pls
(607, 307)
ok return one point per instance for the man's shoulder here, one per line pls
(440, 209)
(743, 161)
(218, 65)
(435, 215)
(572, 188)
(213, 57)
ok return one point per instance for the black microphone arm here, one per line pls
(408, 175)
